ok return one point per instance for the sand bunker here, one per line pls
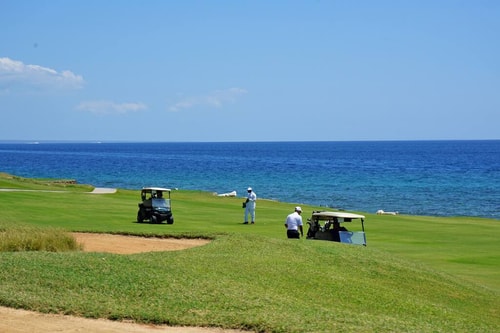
(131, 244)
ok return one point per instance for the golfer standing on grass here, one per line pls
(250, 206)
(293, 224)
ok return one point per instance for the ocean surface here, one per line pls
(437, 178)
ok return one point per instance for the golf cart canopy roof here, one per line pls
(342, 215)
(149, 189)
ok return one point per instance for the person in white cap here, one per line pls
(250, 206)
(293, 224)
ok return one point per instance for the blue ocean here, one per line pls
(436, 178)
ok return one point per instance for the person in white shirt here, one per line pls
(293, 224)
(250, 206)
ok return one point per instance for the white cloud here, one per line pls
(215, 99)
(107, 107)
(17, 74)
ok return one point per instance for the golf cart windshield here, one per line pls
(353, 237)
(161, 203)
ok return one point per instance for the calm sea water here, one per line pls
(440, 178)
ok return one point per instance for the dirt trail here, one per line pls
(22, 321)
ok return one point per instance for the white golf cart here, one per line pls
(330, 226)
(155, 205)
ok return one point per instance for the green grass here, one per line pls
(417, 274)
(8, 181)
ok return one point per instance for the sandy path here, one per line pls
(22, 321)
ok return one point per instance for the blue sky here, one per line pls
(249, 70)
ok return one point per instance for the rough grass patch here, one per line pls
(36, 239)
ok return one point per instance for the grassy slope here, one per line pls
(417, 273)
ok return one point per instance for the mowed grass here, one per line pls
(417, 274)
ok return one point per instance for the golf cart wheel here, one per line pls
(139, 217)
(170, 220)
(154, 219)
